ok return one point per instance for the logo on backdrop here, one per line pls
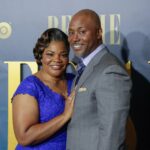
(110, 25)
(5, 30)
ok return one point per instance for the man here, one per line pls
(102, 92)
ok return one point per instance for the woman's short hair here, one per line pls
(52, 34)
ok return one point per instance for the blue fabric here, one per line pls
(51, 104)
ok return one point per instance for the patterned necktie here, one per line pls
(80, 70)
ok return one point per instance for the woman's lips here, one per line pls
(56, 67)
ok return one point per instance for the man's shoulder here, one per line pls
(110, 59)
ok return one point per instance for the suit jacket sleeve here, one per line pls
(113, 100)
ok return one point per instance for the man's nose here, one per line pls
(75, 37)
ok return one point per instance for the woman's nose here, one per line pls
(57, 58)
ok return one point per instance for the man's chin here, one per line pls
(79, 54)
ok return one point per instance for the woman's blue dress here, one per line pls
(51, 104)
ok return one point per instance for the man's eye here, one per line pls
(82, 32)
(70, 33)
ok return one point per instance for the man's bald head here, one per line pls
(90, 14)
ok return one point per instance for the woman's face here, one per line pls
(55, 58)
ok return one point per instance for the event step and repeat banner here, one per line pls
(126, 32)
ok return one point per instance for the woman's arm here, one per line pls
(27, 128)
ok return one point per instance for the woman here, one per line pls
(41, 105)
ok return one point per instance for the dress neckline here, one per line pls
(50, 88)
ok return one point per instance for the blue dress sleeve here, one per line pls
(27, 86)
(70, 78)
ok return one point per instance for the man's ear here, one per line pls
(99, 33)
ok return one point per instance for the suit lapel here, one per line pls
(89, 69)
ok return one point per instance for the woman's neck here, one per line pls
(57, 84)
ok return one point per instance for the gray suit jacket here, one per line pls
(101, 106)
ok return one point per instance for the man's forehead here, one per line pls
(81, 21)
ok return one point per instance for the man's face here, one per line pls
(84, 36)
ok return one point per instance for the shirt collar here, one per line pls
(87, 59)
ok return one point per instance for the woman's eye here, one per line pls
(65, 55)
(49, 54)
